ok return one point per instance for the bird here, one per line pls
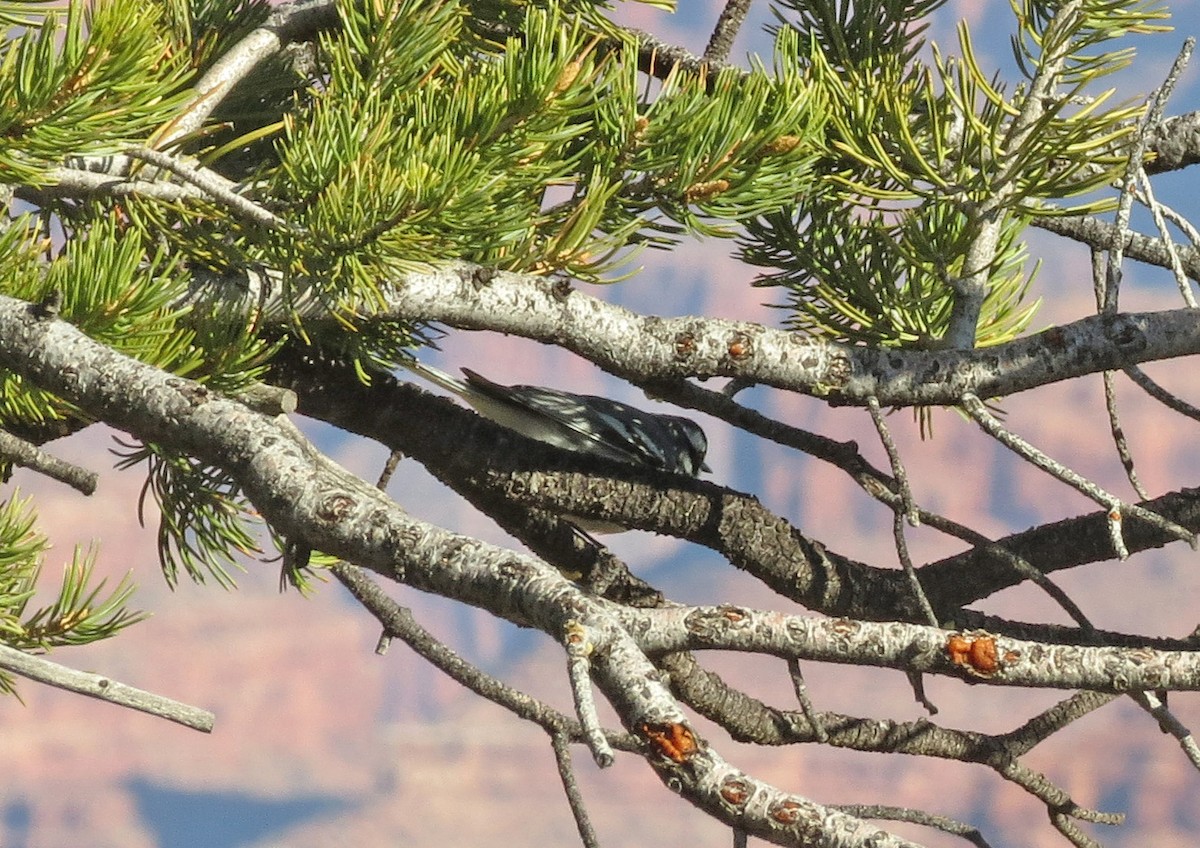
(584, 424)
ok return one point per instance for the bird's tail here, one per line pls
(437, 376)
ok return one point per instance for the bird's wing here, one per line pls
(610, 434)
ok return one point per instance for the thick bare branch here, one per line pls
(972, 575)
(975, 656)
(726, 30)
(652, 350)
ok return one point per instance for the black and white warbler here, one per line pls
(585, 424)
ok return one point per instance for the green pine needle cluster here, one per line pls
(927, 162)
(81, 612)
(866, 275)
(536, 153)
(205, 523)
(92, 80)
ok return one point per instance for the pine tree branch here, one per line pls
(306, 497)
(657, 58)
(434, 431)
(216, 187)
(965, 578)
(103, 688)
(989, 215)
(1109, 286)
(726, 30)
(652, 351)
(1100, 235)
(28, 455)
(83, 183)
(113, 176)
(748, 719)
(1118, 510)
(974, 656)
(647, 349)
(943, 823)
(295, 21)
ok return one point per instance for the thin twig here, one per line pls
(579, 650)
(1167, 721)
(907, 506)
(917, 682)
(657, 58)
(389, 468)
(1185, 226)
(1146, 195)
(904, 509)
(216, 187)
(400, 623)
(1160, 394)
(1025, 568)
(103, 688)
(1137, 154)
(566, 772)
(1099, 284)
(385, 477)
(83, 182)
(805, 702)
(1118, 435)
(1058, 802)
(1116, 508)
(910, 570)
(1110, 395)
(1065, 825)
(28, 455)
